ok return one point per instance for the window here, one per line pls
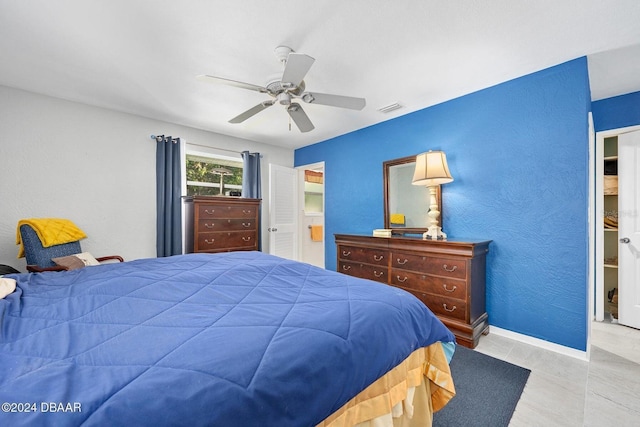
(211, 175)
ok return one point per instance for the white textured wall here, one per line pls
(93, 166)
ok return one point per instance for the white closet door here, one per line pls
(629, 229)
(283, 219)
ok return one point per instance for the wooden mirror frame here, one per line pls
(386, 166)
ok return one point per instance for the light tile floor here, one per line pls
(565, 391)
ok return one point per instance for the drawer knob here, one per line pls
(346, 253)
(209, 225)
(246, 239)
(446, 287)
(378, 258)
(402, 280)
(450, 310)
(403, 262)
(378, 274)
(246, 211)
(346, 267)
(450, 270)
(209, 242)
(209, 212)
(246, 224)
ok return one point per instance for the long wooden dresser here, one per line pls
(224, 224)
(447, 276)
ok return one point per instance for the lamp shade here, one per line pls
(431, 169)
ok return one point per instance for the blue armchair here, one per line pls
(39, 258)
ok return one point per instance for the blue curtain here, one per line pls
(251, 183)
(168, 196)
(251, 186)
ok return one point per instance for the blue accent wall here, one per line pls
(617, 112)
(518, 153)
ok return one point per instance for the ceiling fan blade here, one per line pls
(298, 64)
(299, 117)
(220, 80)
(251, 112)
(334, 100)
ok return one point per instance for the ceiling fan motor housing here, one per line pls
(275, 86)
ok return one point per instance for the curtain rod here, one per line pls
(206, 146)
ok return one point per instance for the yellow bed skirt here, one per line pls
(406, 396)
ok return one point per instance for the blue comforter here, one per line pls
(235, 339)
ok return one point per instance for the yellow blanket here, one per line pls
(51, 231)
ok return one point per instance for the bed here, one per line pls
(233, 339)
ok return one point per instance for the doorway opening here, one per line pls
(609, 203)
(311, 240)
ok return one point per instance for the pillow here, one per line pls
(7, 286)
(76, 261)
(70, 262)
(87, 258)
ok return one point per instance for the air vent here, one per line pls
(389, 108)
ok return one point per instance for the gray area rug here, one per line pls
(487, 391)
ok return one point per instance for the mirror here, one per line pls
(406, 205)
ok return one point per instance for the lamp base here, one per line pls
(434, 233)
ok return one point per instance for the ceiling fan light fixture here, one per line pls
(284, 98)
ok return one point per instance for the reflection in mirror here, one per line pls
(405, 205)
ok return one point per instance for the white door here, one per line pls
(283, 212)
(629, 229)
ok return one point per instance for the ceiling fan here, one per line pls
(288, 87)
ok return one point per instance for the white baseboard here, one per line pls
(546, 345)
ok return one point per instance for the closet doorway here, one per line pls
(311, 235)
(617, 285)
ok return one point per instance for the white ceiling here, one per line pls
(142, 56)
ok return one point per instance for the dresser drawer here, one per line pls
(206, 225)
(367, 255)
(209, 211)
(448, 267)
(211, 242)
(364, 271)
(442, 306)
(452, 288)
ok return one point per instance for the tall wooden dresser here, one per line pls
(224, 224)
(447, 276)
